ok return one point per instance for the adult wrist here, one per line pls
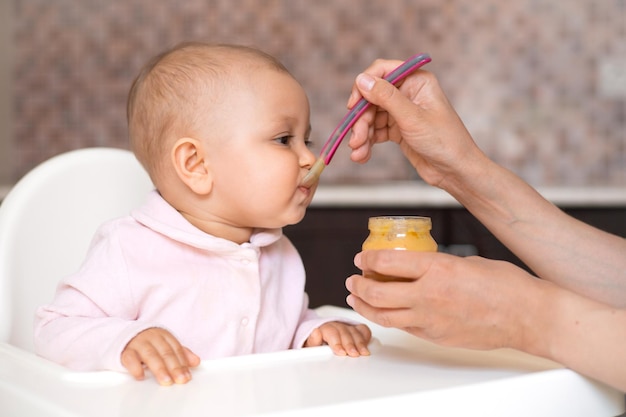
(536, 314)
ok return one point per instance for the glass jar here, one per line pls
(398, 233)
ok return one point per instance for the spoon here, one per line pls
(333, 142)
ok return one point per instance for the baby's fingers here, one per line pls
(354, 340)
(348, 340)
(162, 354)
(161, 366)
(132, 362)
(314, 339)
(192, 359)
(331, 334)
(362, 337)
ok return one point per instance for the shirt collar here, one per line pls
(158, 215)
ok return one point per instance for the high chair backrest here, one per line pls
(47, 221)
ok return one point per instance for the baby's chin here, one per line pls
(296, 218)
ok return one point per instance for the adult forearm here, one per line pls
(554, 245)
(582, 334)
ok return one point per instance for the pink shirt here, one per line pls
(154, 269)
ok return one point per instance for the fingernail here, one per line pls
(365, 82)
(350, 300)
(165, 380)
(357, 259)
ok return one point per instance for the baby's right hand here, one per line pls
(162, 354)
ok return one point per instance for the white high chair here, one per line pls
(46, 224)
(47, 221)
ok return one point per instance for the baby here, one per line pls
(202, 270)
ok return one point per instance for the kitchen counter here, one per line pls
(419, 194)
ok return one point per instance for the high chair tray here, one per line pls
(403, 376)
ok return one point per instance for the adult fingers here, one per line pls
(379, 68)
(386, 317)
(404, 264)
(371, 127)
(380, 294)
(387, 96)
(361, 137)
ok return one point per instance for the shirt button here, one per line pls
(245, 321)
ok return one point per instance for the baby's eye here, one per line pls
(284, 140)
(309, 143)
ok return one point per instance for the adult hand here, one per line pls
(467, 302)
(483, 304)
(417, 116)
(162, 354)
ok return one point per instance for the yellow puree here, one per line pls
(398, 233)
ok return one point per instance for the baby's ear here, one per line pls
(192, 165)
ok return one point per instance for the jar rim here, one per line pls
(418, 221)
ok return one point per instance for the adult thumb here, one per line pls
(385, 95)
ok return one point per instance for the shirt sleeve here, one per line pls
(93, 316)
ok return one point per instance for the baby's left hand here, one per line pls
(344, 339)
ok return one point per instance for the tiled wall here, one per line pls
(529, 77)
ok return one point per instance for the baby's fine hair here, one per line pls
(164, 96)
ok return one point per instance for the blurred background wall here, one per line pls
(540, 83)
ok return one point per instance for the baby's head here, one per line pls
(168, 98)
(211, 122)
